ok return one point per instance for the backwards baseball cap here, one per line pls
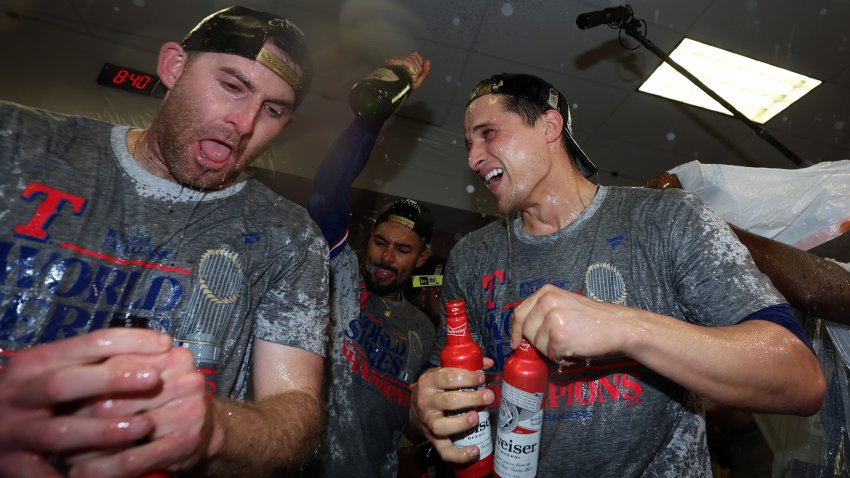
(543, 94)
(411, 215)
(243, 31)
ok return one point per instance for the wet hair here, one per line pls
(529, 97)
(530, 112)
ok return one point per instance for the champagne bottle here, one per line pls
(462, 352)
(520, 415)
(379, 94)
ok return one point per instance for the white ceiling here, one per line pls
(52, 50)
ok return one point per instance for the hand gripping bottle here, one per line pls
(131, 322)
(462, 352)
(380, 93)
(520, 415)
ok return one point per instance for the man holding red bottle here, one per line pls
(643, 301)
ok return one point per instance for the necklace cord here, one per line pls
(136, 143)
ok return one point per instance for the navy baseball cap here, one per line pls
(541, 93)
(410, 214)
(244, 31)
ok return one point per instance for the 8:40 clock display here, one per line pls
(131, 80)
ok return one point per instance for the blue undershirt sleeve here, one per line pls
(781, 314)
(328, 200)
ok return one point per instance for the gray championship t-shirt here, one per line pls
(654, 250)
(378, 348)
(88, 238)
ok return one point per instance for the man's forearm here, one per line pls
(264, 437)
(755, 365)
(809, 283)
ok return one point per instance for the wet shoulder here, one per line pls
(644, 199)
(261, 204)
(39, 131)
(484, 238)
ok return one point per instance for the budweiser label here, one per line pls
(478, 435)
(518, 435)
(458, 331)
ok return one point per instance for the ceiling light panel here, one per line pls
(756, 89)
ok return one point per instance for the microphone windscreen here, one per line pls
(591, 19)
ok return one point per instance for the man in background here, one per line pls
(379, 340)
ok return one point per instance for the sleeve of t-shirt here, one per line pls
(450, 290)
(457, 287)
(328, 200)
(780, 314)
(716, 280)
(294, 310)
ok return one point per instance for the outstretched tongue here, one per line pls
(214, 150)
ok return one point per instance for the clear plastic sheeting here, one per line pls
(803, 208)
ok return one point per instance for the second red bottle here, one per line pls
(462, 352)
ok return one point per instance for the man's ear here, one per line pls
(554, 123)
(423, 256)
(172, 61)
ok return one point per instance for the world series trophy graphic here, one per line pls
(211, 304)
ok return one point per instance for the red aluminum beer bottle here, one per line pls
(520, 416)
(462, 352)
(131, 322)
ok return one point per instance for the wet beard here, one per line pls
(506, 200)
(175, 138)
(379, 289)
(508, 206)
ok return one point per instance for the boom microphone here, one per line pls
(613, 15)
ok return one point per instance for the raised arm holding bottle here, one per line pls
(379, 341)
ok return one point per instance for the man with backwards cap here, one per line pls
(642, 301)
(378, 340)
(158, 228)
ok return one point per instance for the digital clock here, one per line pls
(131, 80)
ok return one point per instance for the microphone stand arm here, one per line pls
(632, 28)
